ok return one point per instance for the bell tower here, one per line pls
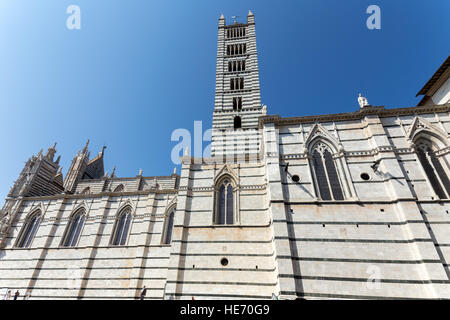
(237, 104)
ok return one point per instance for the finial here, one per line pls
(186, 152)
(140, 172)
(103, 151)
(222, 17)
(113, 172)
(175, 170)
(250, 13)
(57, 159)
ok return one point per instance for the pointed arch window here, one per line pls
(119, 188)
(328, 184)
(74, 228)
(168, 229)
(434, 168)
(121, 227)
(225, 203)
(86, 190)
(29, 230)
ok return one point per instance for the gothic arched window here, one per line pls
(168, 228)
(434, 169)
(121, 227)
(73, 230)
(86, 190)
(225, 203)
(325, 172)
(119, 188)
(29, 230)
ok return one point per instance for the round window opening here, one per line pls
(295, 178)
(224, 261)
(365, 176)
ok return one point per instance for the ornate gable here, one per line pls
(317, 132)
(226, 170)
(419, 125)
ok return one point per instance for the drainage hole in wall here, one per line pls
(295, 178)
(224, 261)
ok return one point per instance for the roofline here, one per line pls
(363, 112)
(439, 72)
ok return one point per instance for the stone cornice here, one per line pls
(357, 115)
(98, 195)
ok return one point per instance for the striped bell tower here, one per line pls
(237, 98)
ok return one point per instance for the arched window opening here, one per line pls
(237, 122)
(167, 236)
(225, 206)
(29, 230)
(74, 229)
(326, 175)
(86, 190)
(121, 227)
(434, 169)
(119, 188)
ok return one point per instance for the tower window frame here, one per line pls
(237, 103)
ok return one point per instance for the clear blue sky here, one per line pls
(137, 70)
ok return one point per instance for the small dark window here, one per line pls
(224, 262)
(365, 176)
(237, 123)
(295, 178)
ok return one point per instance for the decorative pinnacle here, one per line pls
(250, 13)
(222, 17)
(86, 146)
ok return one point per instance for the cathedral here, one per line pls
(337, 206)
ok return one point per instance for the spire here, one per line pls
(221, 21)
(250, 17)
(86, 146)
(113, 173)
(103, 151)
